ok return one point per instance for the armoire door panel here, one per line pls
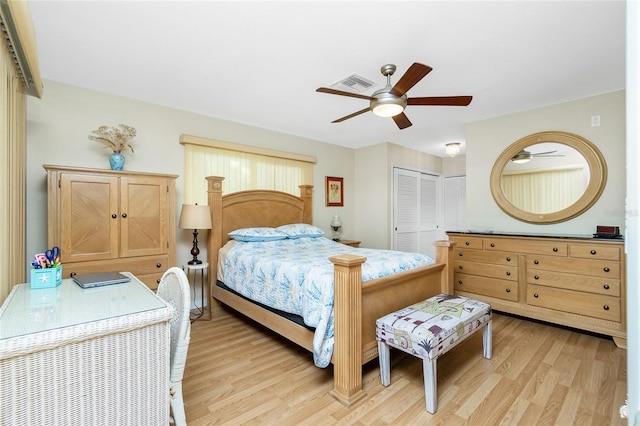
(89, 230)
(143, 216)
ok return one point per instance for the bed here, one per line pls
(356, 305)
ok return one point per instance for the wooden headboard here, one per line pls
(247, 209)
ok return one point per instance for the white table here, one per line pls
(196, 274)
(84, 356)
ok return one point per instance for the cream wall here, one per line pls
(59, 123)
(485, 141)
(456, 166)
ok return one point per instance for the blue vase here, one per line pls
(117, 161)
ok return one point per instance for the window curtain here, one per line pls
(544, 191)
(19, 77)
(243, 167)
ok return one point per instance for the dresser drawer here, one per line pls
(486, 270)
(598, 268)
(594, 252)
(574, 282)
(588, 304)
(497, 258)
(468, 242)
(492, 287)
(549, 248)
(138, 266)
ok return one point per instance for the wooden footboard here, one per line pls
(356, 305)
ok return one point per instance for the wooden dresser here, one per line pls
(106, 220)
(572, 281)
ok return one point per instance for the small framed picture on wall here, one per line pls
(334, 187)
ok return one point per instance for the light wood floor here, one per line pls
(239, 373)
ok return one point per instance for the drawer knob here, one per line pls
(593, 252)
(605, 307)
(493, 245)
(124, 215)
(158, 281)
(535, 262)
(536, 277)
(73, 274)
(114, 216)
(508, 290)
(459, 254)
(535, 295)
(508, 259)
(158, 265)
(508, 273)
(555, 249)
(606, 286)
(606, 269)
(467, 243)
(459, 266)
(460, 282)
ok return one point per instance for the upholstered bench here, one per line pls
(428, 330)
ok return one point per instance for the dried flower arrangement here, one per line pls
(115, 138)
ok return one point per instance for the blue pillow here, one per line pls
(257, 234)
(300, 230)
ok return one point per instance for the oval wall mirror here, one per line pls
(548, 177)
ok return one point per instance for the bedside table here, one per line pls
(352, 243)
(199, 274)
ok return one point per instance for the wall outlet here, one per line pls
(595, 120)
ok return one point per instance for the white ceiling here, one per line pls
(260, 62)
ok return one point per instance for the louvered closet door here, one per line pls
(415, 211)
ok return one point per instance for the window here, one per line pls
(243, 167)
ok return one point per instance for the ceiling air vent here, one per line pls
(354, 83)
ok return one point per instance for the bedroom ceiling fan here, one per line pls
(392, 101)
(526, 156)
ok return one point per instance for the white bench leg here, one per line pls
(430, 384)
(385, 364)
(486, 340)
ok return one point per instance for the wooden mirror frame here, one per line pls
(597, 177)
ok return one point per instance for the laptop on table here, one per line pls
(99, 279)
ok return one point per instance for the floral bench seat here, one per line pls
(429, 329)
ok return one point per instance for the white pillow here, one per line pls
(257, 234)
(300, 230)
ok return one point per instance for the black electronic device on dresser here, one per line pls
(607, 232)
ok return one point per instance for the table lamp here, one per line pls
(336, 224)
(195, 217)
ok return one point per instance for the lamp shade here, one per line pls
(336, 222)
(195, 217)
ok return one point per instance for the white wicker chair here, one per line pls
(174, 289)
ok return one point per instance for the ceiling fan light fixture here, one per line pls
(521, 157)
(387, 110)
(452, 149)
(386, 105)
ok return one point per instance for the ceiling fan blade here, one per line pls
(543, 153)
(402, 120)
(411, 77)
(346, 117)
(441, 100)
(341, 93)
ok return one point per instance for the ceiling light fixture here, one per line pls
(386, 105)
(452, 149)
(522, 157)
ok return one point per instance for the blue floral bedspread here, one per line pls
(296, 276)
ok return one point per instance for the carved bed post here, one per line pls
(444, 254)
(347, 349)
(214, 199)
(306, 193)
